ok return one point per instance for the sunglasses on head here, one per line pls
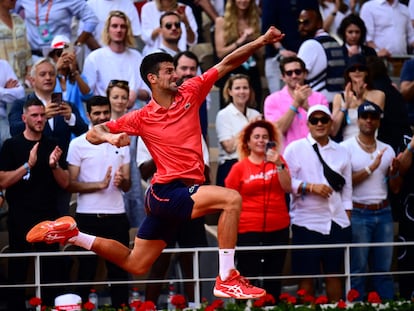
(297, 72)
(169, 25)
(358, 68)
(323, 120)
(121, 83)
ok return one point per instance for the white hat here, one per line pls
(321, 108)
(68, 302)
(59, 42)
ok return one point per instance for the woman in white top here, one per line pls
(230, 120)
(358, 89)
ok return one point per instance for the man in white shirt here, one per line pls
(117, 60)
(389, 28)
(319, 214)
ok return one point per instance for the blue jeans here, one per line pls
(370, 227)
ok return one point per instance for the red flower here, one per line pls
(284, 296)
(373, 297)
(136, 304)
(89, 306)
(308, 299)
(352, 295)
(35, 301)
(216, 304)
(147, 306)
(259, 303)
(341, 304)
(301, 292)
(178, 301)
(321, 300)
(291, 300)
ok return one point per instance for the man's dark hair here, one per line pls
(151, 64)
(34, 101)
(186, 54)
(169, 13)
(291, 59)
(97, 101)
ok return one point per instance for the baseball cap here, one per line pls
(357, 60)
(319, 107)
(369, 107)
(59, 42)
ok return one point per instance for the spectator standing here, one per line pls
(283, 15)
(333, 12)
(69, 81)
(31, 163)
(150, 14)
(99, 174)
(10, 91)
(359, 87)
(322, 55)
(320, 207)
(288, 107)
(115, 59)
(262, 178)
(353, 33)
(239, 25)
(389, 28)
(45, 19)
(231, 120)
(63, 120)
(14, 45)
(407, 87)
(118, 94)
(372, 162)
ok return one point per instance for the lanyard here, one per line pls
(49, 6)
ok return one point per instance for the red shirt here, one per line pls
(264, 207)
(173, 135)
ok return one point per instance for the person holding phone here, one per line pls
(262, 178)
(70, 82)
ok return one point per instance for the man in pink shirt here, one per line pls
(169, 125)
(288, 107)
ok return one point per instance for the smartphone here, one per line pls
(68, 48)
(270, 145)
(57, 98)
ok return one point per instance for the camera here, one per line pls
(270, 145)
(56, 98)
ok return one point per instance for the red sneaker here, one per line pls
(58, 231)
(236, 286)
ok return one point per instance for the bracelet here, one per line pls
(294, 109)
(368, 170)
(410, 149)
(26, 167)
(280, 167)
(304, 188)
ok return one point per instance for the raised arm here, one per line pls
(240, 55)
(100, 134)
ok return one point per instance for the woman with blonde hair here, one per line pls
(262, 178)
(239, 25)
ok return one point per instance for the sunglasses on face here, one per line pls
(304, 22)
(169, 25)
(357, 68)
(297, 72)
(121, 83)
(371, 116)
(323, 120)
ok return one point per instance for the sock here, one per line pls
(226, 262)
(83, 240)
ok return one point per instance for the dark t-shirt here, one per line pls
(38, 193)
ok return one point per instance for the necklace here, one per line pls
(374, 145)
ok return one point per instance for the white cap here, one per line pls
(59, 42)
(68, 302)
(321, 108)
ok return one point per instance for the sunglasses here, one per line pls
(121, 83)
(323, 120)
(304, 22)
(297, 72)
(372, 116)
(357, 68)
(169, 25)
